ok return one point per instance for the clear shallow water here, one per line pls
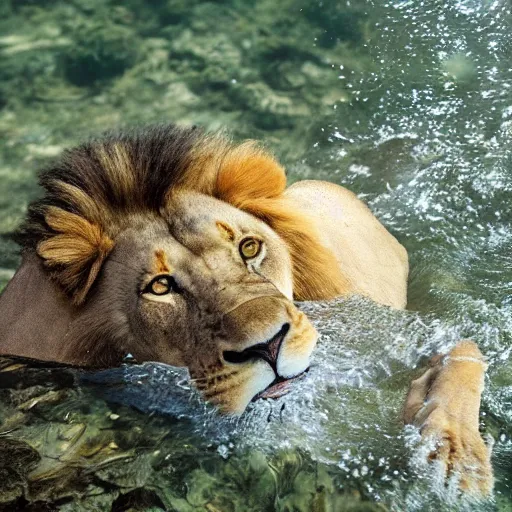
(406, 103)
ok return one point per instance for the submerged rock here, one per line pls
(100, 52)
(269, 109)
(16, 461)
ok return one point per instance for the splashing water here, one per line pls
(435, 144)
(345, 414)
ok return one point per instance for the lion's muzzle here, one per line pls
(265, 341)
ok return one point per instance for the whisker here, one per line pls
(213, 393)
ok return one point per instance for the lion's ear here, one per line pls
(248, 173)
(74, 252)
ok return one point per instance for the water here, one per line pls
(409, 104)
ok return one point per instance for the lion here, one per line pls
(180, 246)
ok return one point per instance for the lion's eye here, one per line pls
(250, 248)
(162, 285)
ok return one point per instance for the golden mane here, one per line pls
(93, 189)
(253, 181)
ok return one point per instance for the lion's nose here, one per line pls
(268, 351)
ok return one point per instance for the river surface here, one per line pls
(408, 104)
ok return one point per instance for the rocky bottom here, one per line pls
(64, 448)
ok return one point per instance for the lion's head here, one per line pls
(202, 285)
(178, 247)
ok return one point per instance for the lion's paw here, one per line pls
(444, 403)
(460, 452)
